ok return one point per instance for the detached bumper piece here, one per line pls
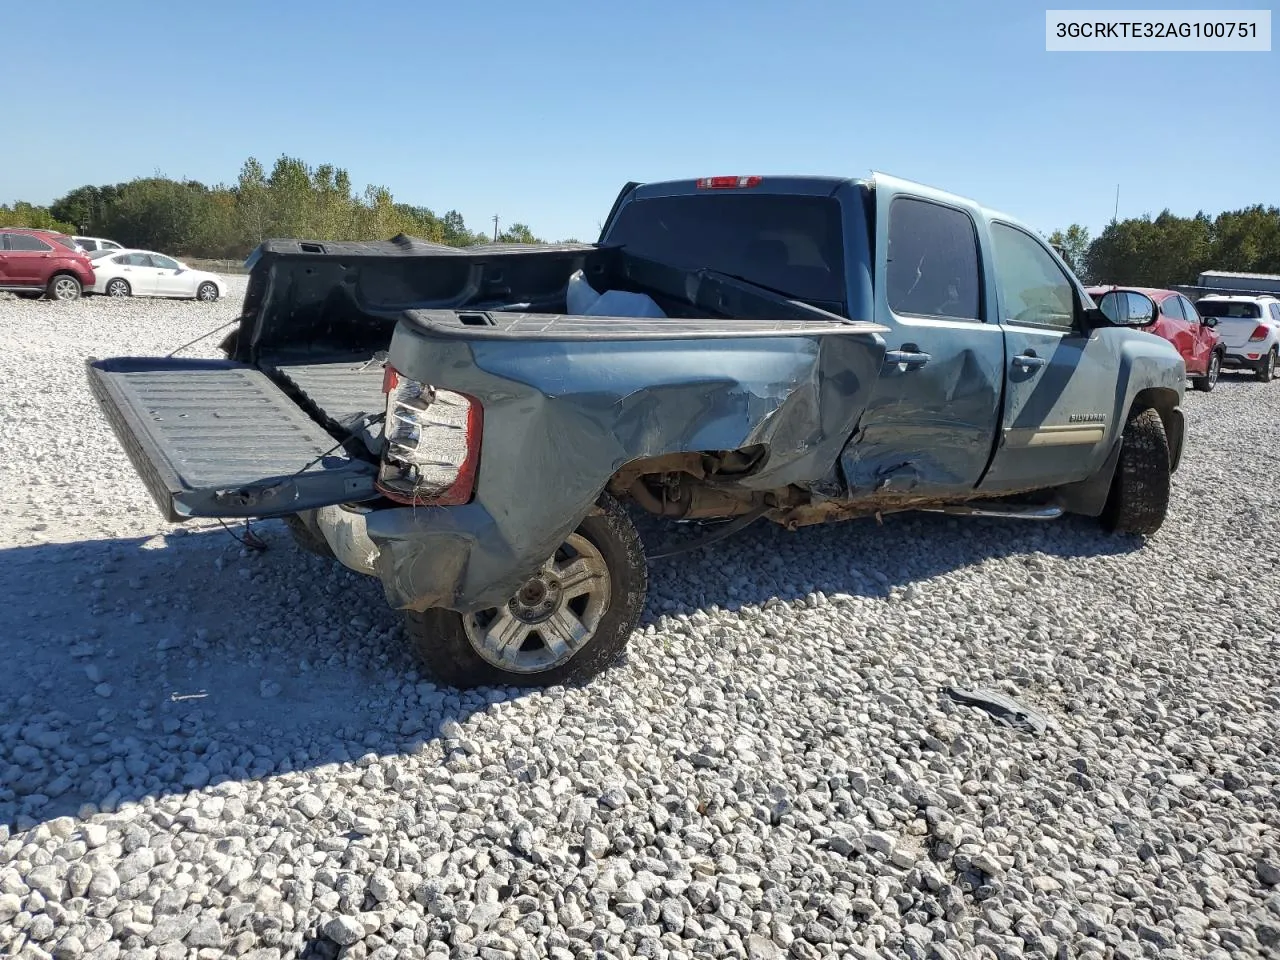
(213, 438)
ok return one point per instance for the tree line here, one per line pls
(1168, 249)
(189, 218)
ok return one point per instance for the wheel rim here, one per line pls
(207, 292)
(551, 618)
(64, 288)
(1214, 364)
(117, 288)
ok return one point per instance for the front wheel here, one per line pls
(207, 292)
(1267, 368)
(1210, 378)
(1139, 498)
(569, 622)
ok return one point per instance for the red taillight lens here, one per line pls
(431, 443)
(1259, 332)
(727, 183)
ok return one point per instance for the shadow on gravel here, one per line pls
(145, 667)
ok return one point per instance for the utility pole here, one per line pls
(1115, 217)
(495, 228)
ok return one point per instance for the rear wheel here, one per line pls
(1139, 498)
(1267, 368)
(64, 287)
(1210, 378)
(118, 287)
(567, 623)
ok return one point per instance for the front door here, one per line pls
(1061, 377)
(930, 425)
(1202, 339)
(171, 279)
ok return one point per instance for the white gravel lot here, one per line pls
(209, 753)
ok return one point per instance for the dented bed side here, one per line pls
(561, 417)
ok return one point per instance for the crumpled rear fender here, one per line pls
(561, 417)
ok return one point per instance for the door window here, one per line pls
(1189, 310)
(164, 263)
(1033, 288)
(932, 268)
(1172, 309)
(26, 242)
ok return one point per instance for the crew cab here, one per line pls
(469, 425)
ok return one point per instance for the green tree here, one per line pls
(1074, 245)
(23, 214)
(517, 233)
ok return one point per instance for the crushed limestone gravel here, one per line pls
(207, 752)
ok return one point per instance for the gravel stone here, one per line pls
(208, 751)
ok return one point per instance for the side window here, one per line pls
(1172, 308)
(164, 263)
(4, 241)
(1033, 289)
(1189, 310)
(86, 243)
(932, 266)
(22, 241)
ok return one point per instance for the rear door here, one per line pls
(1061, 378)
(27, 260)
(931, 422)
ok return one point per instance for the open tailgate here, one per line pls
(215, 438)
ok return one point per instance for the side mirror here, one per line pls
(1124, 308)
(1209, 321)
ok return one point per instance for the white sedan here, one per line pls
(144, 273)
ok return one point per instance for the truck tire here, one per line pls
(1139, 498)
(557, 634)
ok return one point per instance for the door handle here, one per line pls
(1028, 361)
(911, 358)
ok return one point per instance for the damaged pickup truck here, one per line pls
(466, 424)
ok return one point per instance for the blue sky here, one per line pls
(540, 111)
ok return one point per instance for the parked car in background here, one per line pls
(1175, 318)
(1250, 329)
(36, 262)
(145, 273)
(90, 244)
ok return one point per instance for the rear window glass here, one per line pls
(67, 242)
(1229, 308)
(789, 244)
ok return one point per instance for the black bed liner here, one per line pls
(344, 394)
(215, 438)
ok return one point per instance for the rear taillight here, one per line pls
(431, 445)
(727, 183)
(1259, 332)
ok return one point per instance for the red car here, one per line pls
(35, 262)
(1175, 319)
